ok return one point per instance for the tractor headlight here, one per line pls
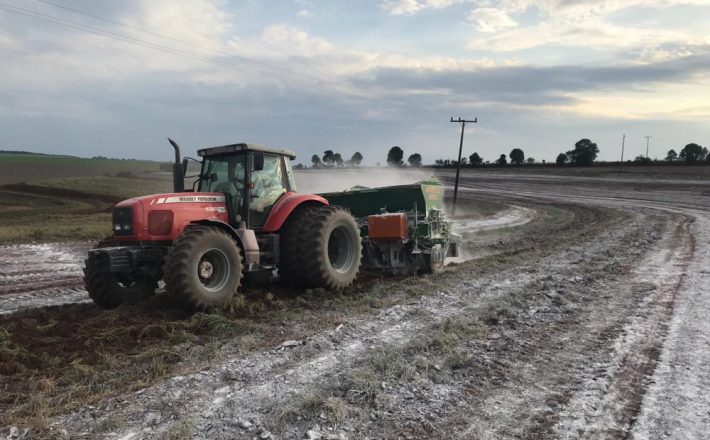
(123, 221)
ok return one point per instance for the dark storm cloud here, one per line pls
(537, 85)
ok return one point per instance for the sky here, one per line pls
(100, 77)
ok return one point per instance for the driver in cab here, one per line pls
(267, 185)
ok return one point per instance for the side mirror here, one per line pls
(258, 160)
(184, 166)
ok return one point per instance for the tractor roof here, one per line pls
(236, 148)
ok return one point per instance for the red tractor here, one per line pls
(242, 215)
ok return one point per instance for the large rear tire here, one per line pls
(204, 268)
(330, 248)
(291, 268)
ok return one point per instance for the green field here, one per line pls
(74, 208)
(19, 167)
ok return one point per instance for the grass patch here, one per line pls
(57, 359)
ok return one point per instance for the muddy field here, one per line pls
(578, 310)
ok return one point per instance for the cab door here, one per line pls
(266, 187)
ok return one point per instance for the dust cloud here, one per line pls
(330, 180)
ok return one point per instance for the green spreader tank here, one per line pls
(403, 228)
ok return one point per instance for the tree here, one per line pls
(502, 160)
(530, 160)
(642, 159)
(338, 159)
(561, 159)
(316, 161)
(517, 156)
(475, 159)
(672, 155)
(584, 153)
(356, 159)
(692, 153)
(394, 157)
(415, 160)
(328, 157)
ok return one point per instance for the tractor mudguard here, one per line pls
(284, 207)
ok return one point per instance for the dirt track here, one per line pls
(580, 314)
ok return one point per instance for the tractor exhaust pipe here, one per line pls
(178, 171)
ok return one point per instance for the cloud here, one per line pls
(490, 19)
(411, 7)
(304, 13)
(538, 85)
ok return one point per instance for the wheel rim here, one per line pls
(125, 282)
(341, 249)
(213, 270)
(437, 256)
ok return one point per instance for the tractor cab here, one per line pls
(252, 177)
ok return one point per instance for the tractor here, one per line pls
(243, 216)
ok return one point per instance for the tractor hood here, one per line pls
(161, 217)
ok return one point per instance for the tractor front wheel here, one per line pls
(330, 248)
(109, 290)
(204, 268)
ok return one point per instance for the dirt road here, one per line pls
(580, 313)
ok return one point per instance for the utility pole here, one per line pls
(647, 138)
(463, 123)
(621, 164)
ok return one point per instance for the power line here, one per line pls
(647, 139)
(128, 39)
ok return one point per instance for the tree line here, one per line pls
(331, 159)
(584, 153)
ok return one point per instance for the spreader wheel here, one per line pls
(436, 260)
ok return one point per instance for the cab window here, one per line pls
(223, 174)
(268, 185)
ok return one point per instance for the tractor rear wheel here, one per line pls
(330, 248)
(291, 268)
(109, 290)
(204, 268)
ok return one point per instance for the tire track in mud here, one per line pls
(38, 275)
(677, 404)
(607, 405)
